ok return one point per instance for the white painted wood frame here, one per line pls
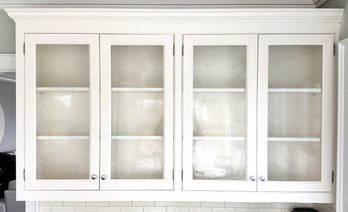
(327, 136)
(167, 41)
(31, 41)
(342, 129)
(140, 21)
(250, 41)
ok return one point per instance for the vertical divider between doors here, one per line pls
(100, 115)
(105, 141)
(178, 108)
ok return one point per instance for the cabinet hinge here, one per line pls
(24, 48)
(333, 177)
(24, 174)
(182, 175)
(173, 174)
(182, 50)
(173, 49)
(334, 49)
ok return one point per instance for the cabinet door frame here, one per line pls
(31, 40)
(167, 41)
(250, 41)
(326, 41)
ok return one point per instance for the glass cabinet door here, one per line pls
(62, 111)
(220, 78)
(295, 112)
(137, 115)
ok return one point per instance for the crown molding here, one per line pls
(237, 15)
(7, 62)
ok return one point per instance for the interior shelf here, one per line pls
(218, 138)
(62, 89)
(137, 89)
(294, 90)
(137, 138)
(296, 139)
(220, 90)
(62, 137)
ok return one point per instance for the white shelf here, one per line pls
(138, 89)
(294, 90)
(62, 137)
(218, 138)
(137, 137)
(219, 90)
(53, 89)
(295, 139)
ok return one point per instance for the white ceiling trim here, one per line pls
(163, 3)
(7, 62)
(158, 2)
(180, 6)
(231, 15)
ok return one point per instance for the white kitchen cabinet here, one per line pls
(137, 112)
(63, 97)
(62, 111)
(295, 112)
(220, 86)
(175, 104)
(295, 116)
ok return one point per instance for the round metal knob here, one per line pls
(93, 177)
(262, 178)
(103, 177)
(252, 178)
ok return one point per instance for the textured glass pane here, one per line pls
(219, 160)
(62, 159)
(294, 115)
(219, 114)
(295, 66)
(62, 65)
(137, 113)
(137, 159)
(294, 161)
(137, 66)
(62, 113)
(219, 66)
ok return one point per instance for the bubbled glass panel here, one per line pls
(219, 160)
(137, 159)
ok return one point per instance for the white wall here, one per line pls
(7, 34)
(344, 29)
(8, 103)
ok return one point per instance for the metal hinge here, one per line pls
(173, 49)
(24, 48)
(334, 49)
(333, 177)
(24, 174)
(182, 50)
(182, 175)
(173, 174)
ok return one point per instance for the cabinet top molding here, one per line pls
(233, 15)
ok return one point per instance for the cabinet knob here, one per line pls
(93, 177)
(262, 178)
(103, 177)
(252, 178)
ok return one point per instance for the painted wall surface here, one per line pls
(344, 28)
(7, 34)
(8, 103)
